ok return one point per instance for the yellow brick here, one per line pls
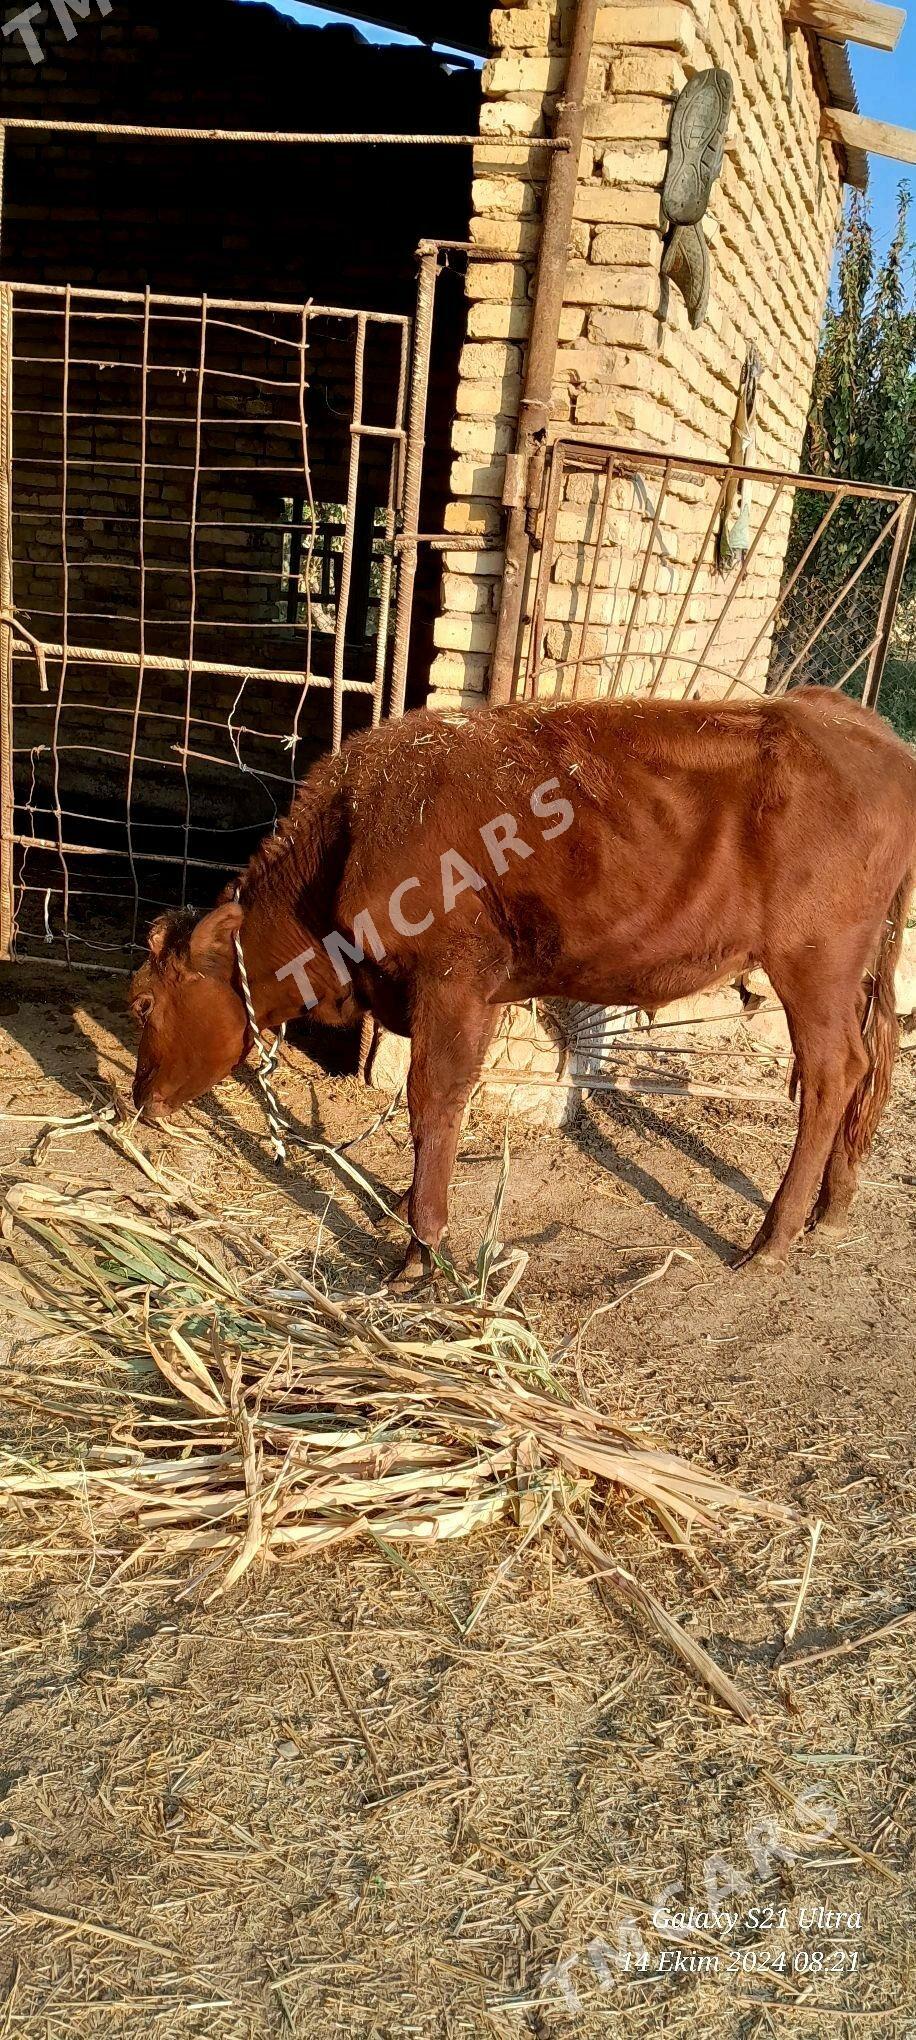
(525, 28)
(462, 595)
(512, 116)
(572, 322)
(484, 438)
(616, 119)
(587, 284)
(522, 74)
(487, 364)
(457, 680)
(502, 281)
(506, 237)
(476, 479)
(664, 28)
(483, 560)
(499, 322)
(464, 633)
(503, 195)
(626, 244)
(634, 166)
(484, 517)
(489, 399)
(612, 203)
(657, 72)
(597, 407)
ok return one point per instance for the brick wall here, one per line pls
(337, 226)
(771, 228)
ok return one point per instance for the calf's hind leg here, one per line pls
(450, 1035)
(831, 1061)
(839, 1181)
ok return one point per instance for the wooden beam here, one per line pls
(859, 21)
(876, 137)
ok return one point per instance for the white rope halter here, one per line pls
(281, 1131)
(267, 1061)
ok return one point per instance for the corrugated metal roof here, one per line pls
(842, 92)
(465, 23)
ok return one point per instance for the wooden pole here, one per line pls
(858, 21)
(889, 601)
(876, 137)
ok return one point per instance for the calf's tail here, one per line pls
(880, 1030)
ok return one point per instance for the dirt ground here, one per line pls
(317, 1809)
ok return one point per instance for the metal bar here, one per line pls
(192, 581)
(413, 472)
(395, 488)
(309, 548)
(7, 888)
(448, 541)
(65, 574)
(306, 139)
(545, 566)
(138, 297)
(655, 1087)
(836, 686)
(889, 601)
(156, 662)
(346, 570)
(785, 592)
(534, 409)
(643, 572)
(589, 446)
(593, 576)
(698, 563)
(105, 850)
(60, 962)
(141, 671)
(786, 675)
(741, 575)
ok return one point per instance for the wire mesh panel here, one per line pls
(664, 575)
(200, 511)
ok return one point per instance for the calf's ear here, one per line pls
(158, 935)
(211, 948)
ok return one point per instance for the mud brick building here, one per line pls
(622, 371)
(255, 490)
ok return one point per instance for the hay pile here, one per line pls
(294, 1421)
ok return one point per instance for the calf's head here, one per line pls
(194, 1024)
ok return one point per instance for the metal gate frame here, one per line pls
(610, 461)
(403, 537)
(405, 436)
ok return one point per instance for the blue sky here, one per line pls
(886, 86)
(300, 10)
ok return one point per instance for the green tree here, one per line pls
(863, 407)
(862, 425)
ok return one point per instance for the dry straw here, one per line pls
(302, 1421)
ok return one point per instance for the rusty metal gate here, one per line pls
(207, 520)
(667, 574)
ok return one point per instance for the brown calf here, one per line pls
(624, 853)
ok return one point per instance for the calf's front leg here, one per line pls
(450, 1035)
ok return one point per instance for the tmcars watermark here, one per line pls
(500, 838)
(725, 1908)
(23, 24)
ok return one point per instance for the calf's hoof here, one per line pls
(832, 1223)
(762, 1253)
(416, 1268)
